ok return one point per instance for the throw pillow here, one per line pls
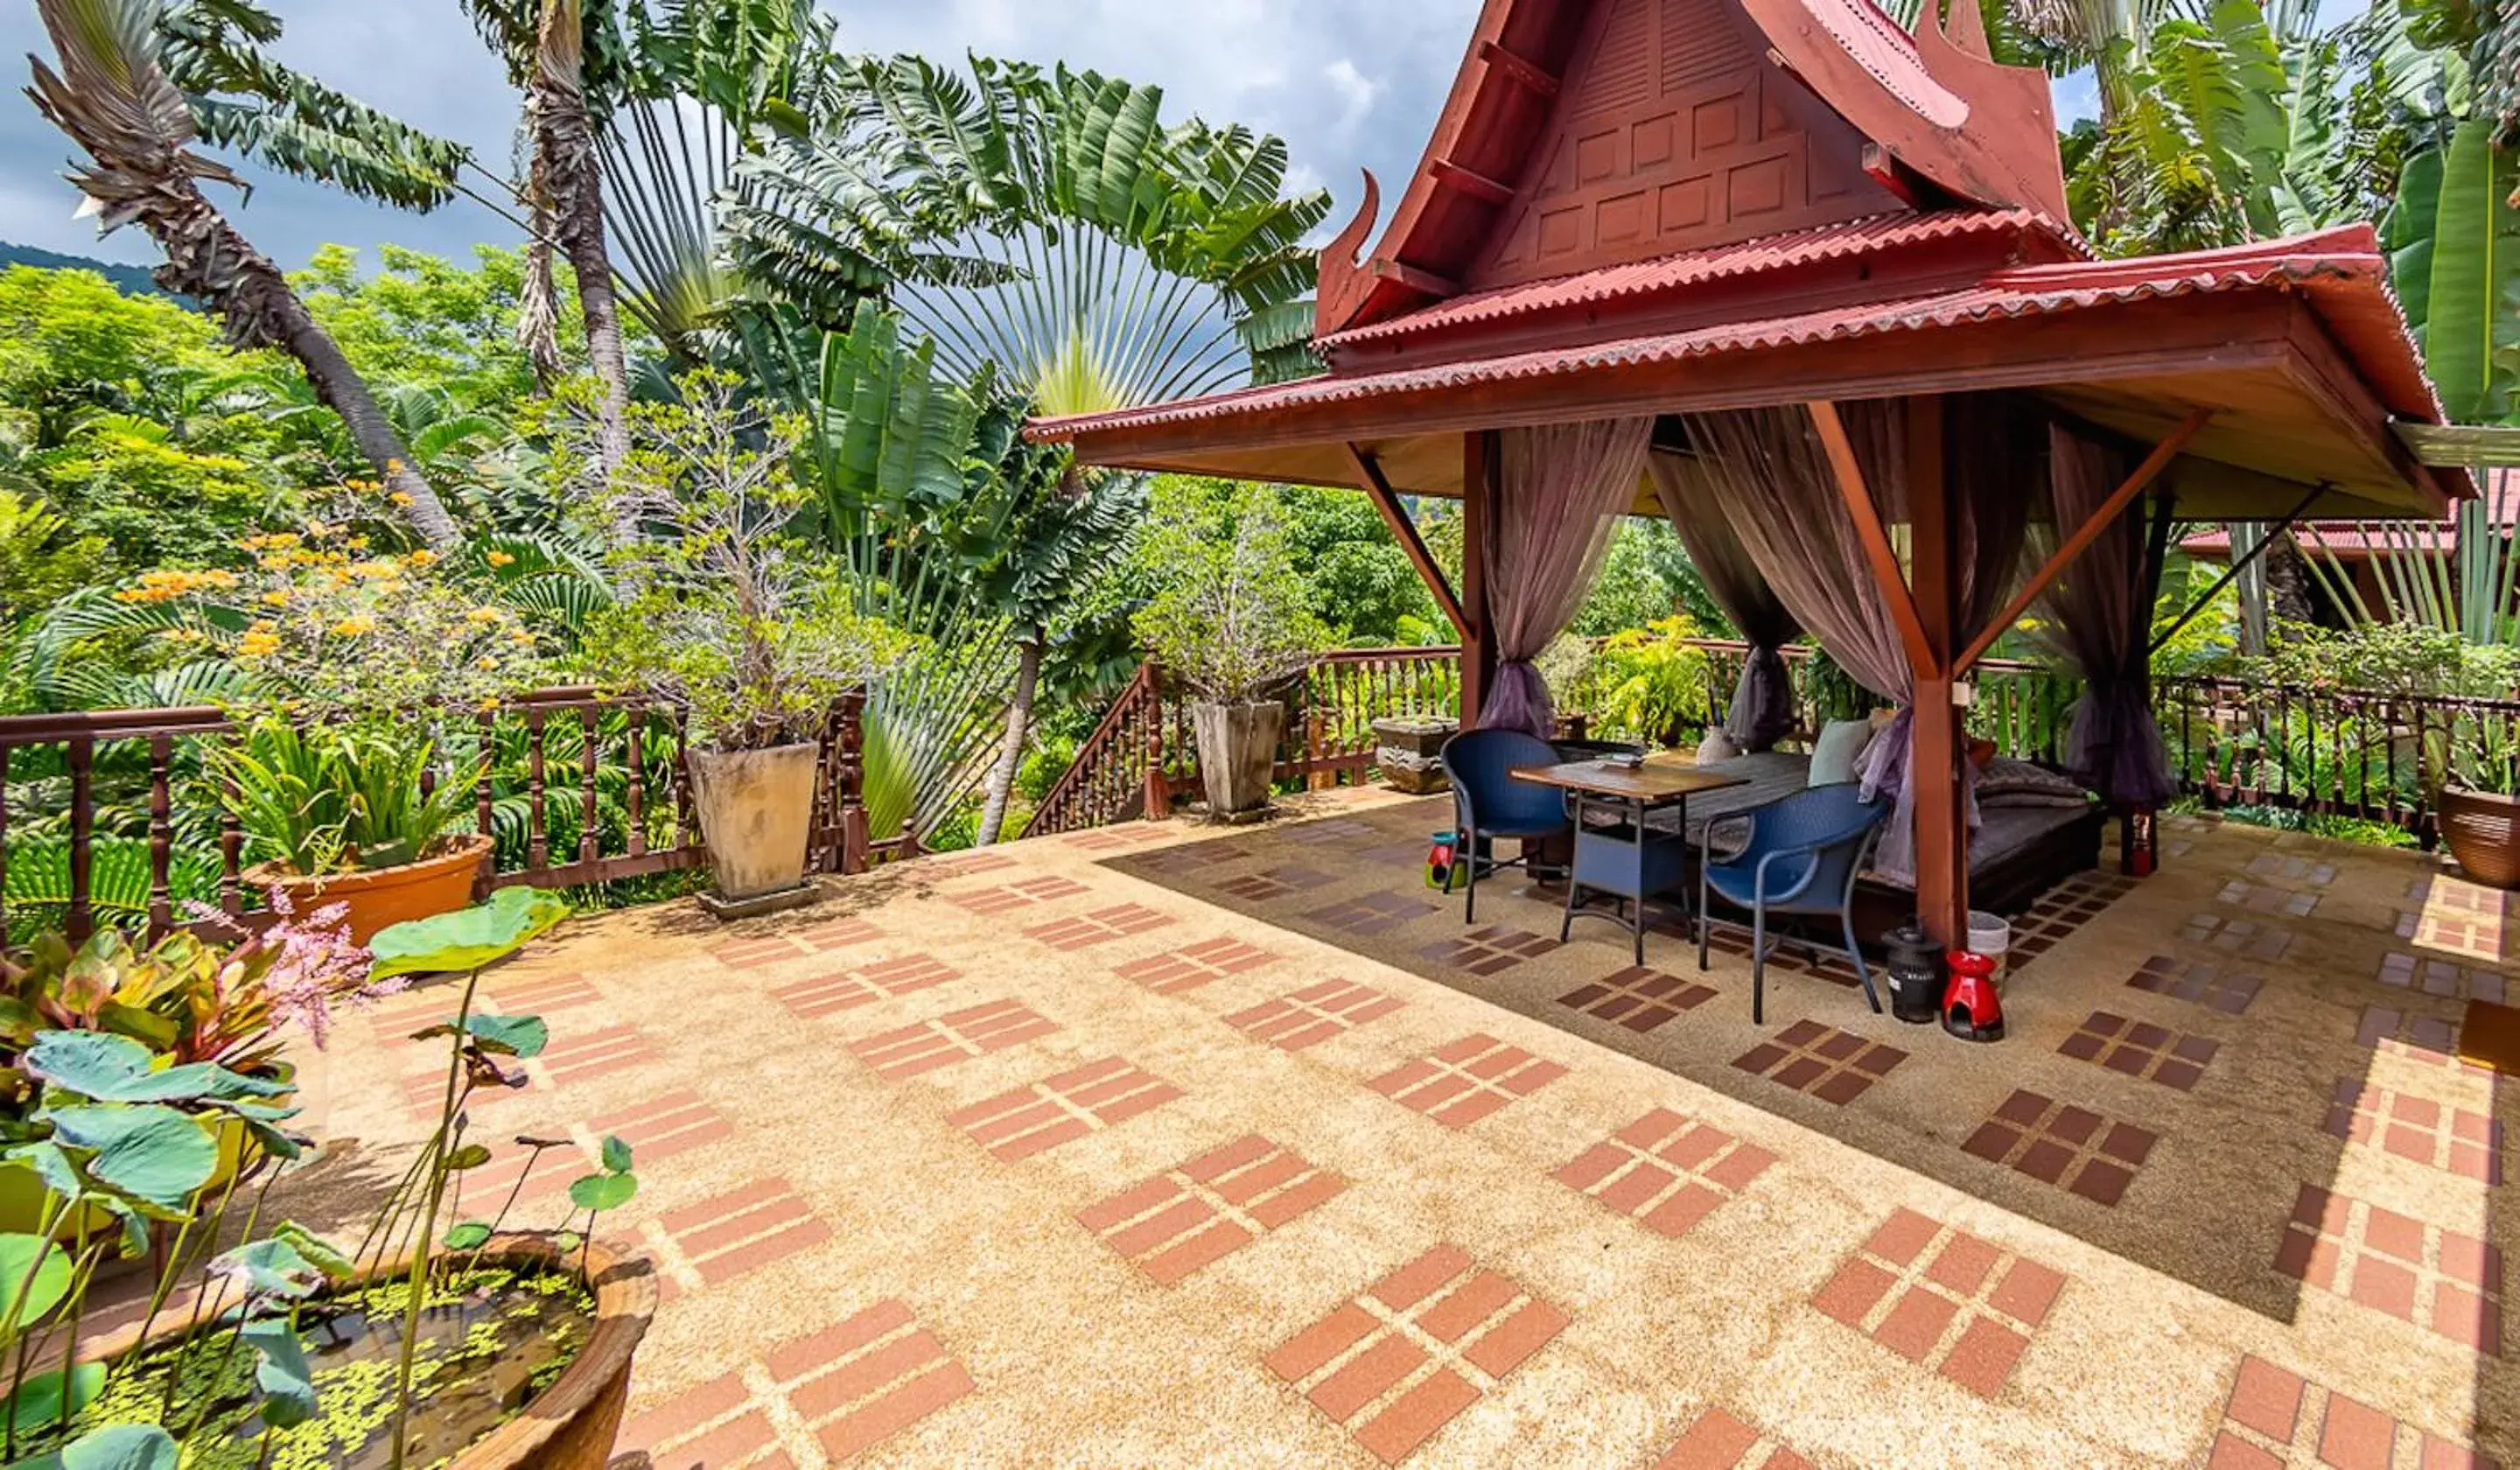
(1717, 746)
(1833, 756)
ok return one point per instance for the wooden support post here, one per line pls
(1149, 695)
(1478, 507)
(1377, 488)
(1934, 779)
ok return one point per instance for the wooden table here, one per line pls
(1627, 862)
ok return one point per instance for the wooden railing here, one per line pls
(116, 814)
(1145, 753)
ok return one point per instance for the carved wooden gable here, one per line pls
(1676, 132)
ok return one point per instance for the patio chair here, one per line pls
(1492, 804)
(1801, 855)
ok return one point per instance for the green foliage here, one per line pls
(1230, 620)
(468, 939)
(1647, 684)
(2453, 246)
(2397, 659)
(326, 798)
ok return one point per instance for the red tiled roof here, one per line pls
(2339, 271)
(2350, 538)
(1873, 236)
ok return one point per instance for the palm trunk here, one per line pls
(1002, 778)
(570, 176)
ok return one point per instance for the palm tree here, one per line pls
(114, 97)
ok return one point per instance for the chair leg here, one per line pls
(1566, 921)
(1637, 921)
(1758, 965)
(1703, 921)
(1470, 905)
(1864, 972)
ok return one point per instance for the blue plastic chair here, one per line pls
(1801, 856)
(1493, 804)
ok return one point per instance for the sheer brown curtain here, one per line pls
(2099, 618)
(1781, 497)
(1562, 488)
(1762, 711)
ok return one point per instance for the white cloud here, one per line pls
(1356, 92)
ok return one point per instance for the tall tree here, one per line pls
(114, 97)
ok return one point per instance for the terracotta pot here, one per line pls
(1237, 748)
(570, 1425)
(2483, 832)
(381, 898)
(756, 809)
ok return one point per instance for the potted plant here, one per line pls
(2478, 795)
(191, 1000)
(346, 668)
(1229, 620)
(722, 609)
(464, 1345)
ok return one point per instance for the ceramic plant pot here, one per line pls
(568, 1426)
(756, 809)
(382, 896)
(2483, 832)
(1237, 748)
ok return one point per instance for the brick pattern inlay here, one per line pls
(1004, 898)
(2266, 898)
(1637, 997)
(1401, 1359)
(1276, 883)
(770, 948)
(2445, 978)
(1204, 1210)
(546, 994)
(663, 1127)
(2418, 1272)
(597, 1053)
(2412, 1036)
(2274, 1418)
(2456, 916)
(848, 1388)
(2140, 1048)
(828, 994)
(1716, 1440)
(1028, 1120)
(2199, 981)
(1102, 925)
(744, 1229)
(1834, 1066)
(2277, 867)
(951, 1038)
(1666, 1171)
(1489, 951)
(1943, 1298)
(2058, 1143)
(1466, 1080)
(1192, 966)
(1371, 913)
(1313, 1014)
(2065, 909)
(2238, 936)
(2454, 1140)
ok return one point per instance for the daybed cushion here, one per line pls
(2019, 784)
(1840, 745)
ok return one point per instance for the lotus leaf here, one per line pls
(469, 938)
(147, 1152)
(39, 1269)
(270, 1268)
(38, 1401)
(280, 1371)
(600, 1192)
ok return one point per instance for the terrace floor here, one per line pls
(1164, 1145)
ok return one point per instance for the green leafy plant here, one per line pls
(1230, 620)
(1647, 683)
(327, 799)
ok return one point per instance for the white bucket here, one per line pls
(1991, 935)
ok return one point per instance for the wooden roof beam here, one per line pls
(1877, 551)
(1377, 487)
(1522, 71)
(1409, 276)
(1472, 182)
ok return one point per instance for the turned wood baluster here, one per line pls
(82, 764)
(637, 795)
(1150, 705)
(231, 852)
(484, 794)
(537, 839)
(853, 817)
(590, 836)
(162, 835)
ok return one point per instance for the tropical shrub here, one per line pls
(1648, 683)
(1230, 620)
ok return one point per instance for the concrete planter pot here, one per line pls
(1237, 748)
(382, 896)
(568, 1426)
(757, 811)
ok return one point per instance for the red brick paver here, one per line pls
(2065, 909)
(743, 1229)
(2412, 1036)
(1716, 1440)
(2201, 981)
(1206, 1207)
(2059, 1144)
(1637, 997)
(1102, 926)
(2454, 1140)
(955, 1037)
(597, 1053)
(756, 950)
(2247, 937)
(1466, 1080)
(1667, 1171)
(1028, 1120)
(1176, 971)
(1834, 1066)
(537, 997)
(1274, 883)
(2394, 1264)
(2274, 1415)
(719, 1425)
(1314, 1014)
(2140, 1048)
(663, 1127)
(1943, 1298)
(2448, 979)
(1398, 1361)
(866, 1379)
(1371, 912)
(846, 989)
(1006, 898)
(1489, 951)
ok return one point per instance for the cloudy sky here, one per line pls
(1348, 83)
